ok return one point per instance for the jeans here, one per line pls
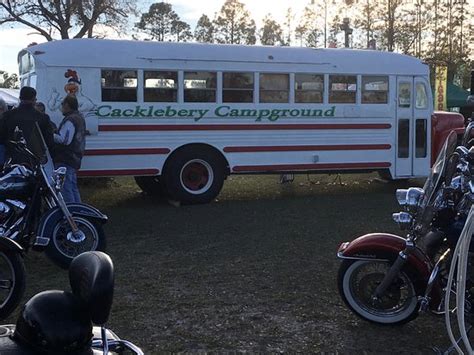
(70, 191)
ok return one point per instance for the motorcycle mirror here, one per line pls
(451, 168)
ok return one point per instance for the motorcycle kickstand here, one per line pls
(452, 347)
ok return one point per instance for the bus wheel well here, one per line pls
(200, 147)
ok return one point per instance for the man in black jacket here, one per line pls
(25, 118)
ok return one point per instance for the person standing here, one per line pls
(70, 144)
(25, 118)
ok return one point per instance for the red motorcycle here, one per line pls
(388, 279)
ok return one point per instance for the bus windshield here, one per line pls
(26, 63)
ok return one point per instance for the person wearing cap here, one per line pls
(70, 142)
(24, 118)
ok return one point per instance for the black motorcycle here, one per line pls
(32, 210)
(12, 276)
(61, 322)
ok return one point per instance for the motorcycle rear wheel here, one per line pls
(62, 250)
(12, 281)
(357, 281)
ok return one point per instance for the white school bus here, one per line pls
(181, 117)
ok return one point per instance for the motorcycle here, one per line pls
(61, 322)
(388, 279)
(33, 212)
(12, 276)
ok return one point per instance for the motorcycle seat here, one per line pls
(91, 276)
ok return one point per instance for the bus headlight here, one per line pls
(403, 219)
(410, 199)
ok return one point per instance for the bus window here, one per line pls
(27, 63)
(403, 138)
(309, 88)
(342, 89)
(421, 144)
(404, 94)
(200, 86)
(161, 86)
(119, 85)
(237, 87)
(374, 89)
(421, 100)
(274, 88)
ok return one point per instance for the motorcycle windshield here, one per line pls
(436, 178)
(37, 145)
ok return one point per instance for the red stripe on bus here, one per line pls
(133, 151)
(294, 167)
(119, 172)
(237, 127)
(301, 148)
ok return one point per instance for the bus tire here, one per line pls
(151, 185)
(194, 175)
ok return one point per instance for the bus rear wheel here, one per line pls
(151, 185)
(194, 175)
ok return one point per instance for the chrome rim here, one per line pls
(71, 248)
(7, 279)
(361, 280)
(196, 176)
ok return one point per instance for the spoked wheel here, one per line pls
(12, 282)
(357, 282)
(65, 245)
(194, 175)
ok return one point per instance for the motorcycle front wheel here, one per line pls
(357, 281)
(12, 281)
(65, 246)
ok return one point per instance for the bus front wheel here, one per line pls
(194, 175)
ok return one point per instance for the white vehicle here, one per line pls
(183, 116)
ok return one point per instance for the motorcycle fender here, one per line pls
(54, 215)
(9, 244)
(386, 247)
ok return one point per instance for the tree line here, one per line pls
(436, 31)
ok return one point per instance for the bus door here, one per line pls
(422, 127)
(404, 127)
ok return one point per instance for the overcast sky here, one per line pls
(14, 38)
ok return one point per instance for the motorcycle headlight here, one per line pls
(403, 219)
(410, 199)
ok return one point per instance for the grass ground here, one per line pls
(253, 271)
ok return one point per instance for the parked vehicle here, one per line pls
(388, 279)
(12, 276)
(33, 212)
(61, 322)
(183, 116)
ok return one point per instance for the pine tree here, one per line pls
(181, 30)
(288, 26)
(233, 24)
(162, 23)
(271, 34)
(204, 31)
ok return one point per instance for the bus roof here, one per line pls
(100, 53)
